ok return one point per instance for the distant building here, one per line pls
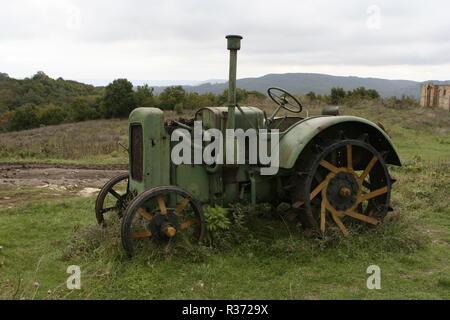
(435, 96)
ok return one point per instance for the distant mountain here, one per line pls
(297, 83)
(153, 83)
(165, 83)
(301, 83)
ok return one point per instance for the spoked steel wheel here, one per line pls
(112, 198)
(347, 182)
(161, 215)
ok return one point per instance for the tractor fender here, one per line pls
(294, 140)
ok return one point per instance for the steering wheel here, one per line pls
(285, 100)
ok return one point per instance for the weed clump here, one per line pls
(95, 241)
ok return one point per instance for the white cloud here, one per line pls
(184, 39)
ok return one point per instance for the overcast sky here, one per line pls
(184, 39)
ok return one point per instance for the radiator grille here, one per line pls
(137, 152)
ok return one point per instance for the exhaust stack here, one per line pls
(233, 44)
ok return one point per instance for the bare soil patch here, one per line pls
(64, 175)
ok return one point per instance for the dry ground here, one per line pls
(38, 174)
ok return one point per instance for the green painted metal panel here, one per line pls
(250, 117)
(293, 141)
(245, 118)
(156, 149)
(194, 179)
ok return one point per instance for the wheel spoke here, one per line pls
(368, 168)
(338, 221)
(323, 213)
(162, 205)
(142, 234)
(181, 206)
(114, 193)
(298, 204)
(189, 223)
(367, 185)
(362, 217)
(316, 191)
(147, 216)
(372, 194)
(108, 209)
(340, 224)
(349, 156)
(329, 166)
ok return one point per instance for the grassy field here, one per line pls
(264, 258)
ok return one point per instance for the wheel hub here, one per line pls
(345, 192)
(342, 191)
(163, 226)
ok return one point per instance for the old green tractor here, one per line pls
(332, 169)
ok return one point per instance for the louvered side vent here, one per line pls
(137, 152)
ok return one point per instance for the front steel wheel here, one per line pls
(161, 215)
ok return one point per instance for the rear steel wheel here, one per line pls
(113, 197)
(346, 182)
(161, 215)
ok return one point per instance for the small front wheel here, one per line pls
(112, 198)
(161, 215)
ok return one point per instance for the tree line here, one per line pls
(340, 96)
(40, 100)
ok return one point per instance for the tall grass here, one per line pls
(73, 141)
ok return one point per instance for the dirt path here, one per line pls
(67, 175)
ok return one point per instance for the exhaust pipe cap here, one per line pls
(234, 42)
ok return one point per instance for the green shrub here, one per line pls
(241, 96)
(364, 93)
(311, 96)
(82, 109)
(337, 95)
(5, 121)
(144, 96)
(217, 222)
(179, 108)
(171, 96)
(24, 117)
(52, 115)
(119, 99)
